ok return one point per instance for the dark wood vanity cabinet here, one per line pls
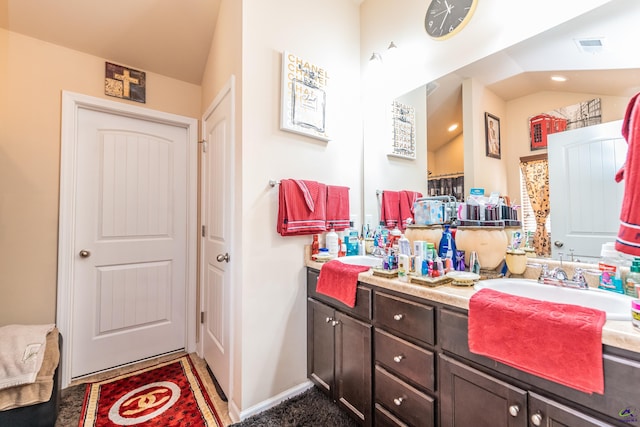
(396, 360)
(339, 350)
(404, 358)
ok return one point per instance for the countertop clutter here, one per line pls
(615, 333)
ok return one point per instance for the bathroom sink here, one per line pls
(617, 306)
(364, 260)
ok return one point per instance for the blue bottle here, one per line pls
(447, 248)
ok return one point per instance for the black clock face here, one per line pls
(446, 17)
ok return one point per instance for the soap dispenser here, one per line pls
(331, 240)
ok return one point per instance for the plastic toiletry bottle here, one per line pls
(352, 240)
(633, 279)
(404, 245)
(315, 245)
(331, 241)
(447, 248)
(403, 268)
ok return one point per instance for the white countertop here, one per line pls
(615, 333)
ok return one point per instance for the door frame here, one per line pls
(71, 104)
(227, 89)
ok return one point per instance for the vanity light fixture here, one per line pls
(558, 78)
(375, 56)
(452, 127)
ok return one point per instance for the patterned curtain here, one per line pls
(536, 175)
(452, 186)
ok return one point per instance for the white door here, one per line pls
(217, 205)
(585, 198)
(130, 241)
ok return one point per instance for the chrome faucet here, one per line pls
(559, 277)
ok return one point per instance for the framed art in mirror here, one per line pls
(492, 135)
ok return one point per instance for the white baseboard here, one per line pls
(271, 402)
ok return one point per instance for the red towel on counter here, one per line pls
(558, 342)
(340, 281)
(301, 207)
(628, 240)
(337, 207)
(390, 208)
(407, 199)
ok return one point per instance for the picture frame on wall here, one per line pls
(492, 135)
(304, 97)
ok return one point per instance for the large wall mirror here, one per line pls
(594, 52)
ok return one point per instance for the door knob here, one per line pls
(85, 253)
(558, 244)
(224, 257)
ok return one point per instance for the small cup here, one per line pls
(516, 261)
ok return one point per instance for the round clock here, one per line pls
(447, 17)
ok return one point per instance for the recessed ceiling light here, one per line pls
(558, 78)
(453, 127)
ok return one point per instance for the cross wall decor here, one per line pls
(125, 83)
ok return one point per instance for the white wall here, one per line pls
(273, 278)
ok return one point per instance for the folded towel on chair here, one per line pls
(558, 342)
(21, 353)
(301, 207)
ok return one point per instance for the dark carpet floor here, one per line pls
(311, 408)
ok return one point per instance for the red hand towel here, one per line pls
(390, 209)
(337, 207)
(558, 342)
(301, 207)
(407, 199)
(628, 240)
(339, 280)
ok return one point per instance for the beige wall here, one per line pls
(32, 76)
(449, 158)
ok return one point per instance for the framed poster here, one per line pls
(492, 135)
(304, 97)
(403, 122)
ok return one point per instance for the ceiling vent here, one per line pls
(591, 45)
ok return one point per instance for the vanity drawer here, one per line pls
(410, 319)
(405, 359)
(404, 401)
(385, 418)
(362, 308)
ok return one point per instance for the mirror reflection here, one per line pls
(591, 53)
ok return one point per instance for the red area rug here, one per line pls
(169, 394)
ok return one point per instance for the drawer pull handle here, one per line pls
(328, 319)
(536, 419)
(398, 401)
(514, 410)
(398, 358)
(398, 316)
(335, 322)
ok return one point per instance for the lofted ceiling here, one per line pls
(526, 67)
(168, 37)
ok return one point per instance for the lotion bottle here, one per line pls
(331, 241)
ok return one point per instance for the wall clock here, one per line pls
(446, 18)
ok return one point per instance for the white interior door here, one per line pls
(585, 199)
(130, 245)
(217, 208)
